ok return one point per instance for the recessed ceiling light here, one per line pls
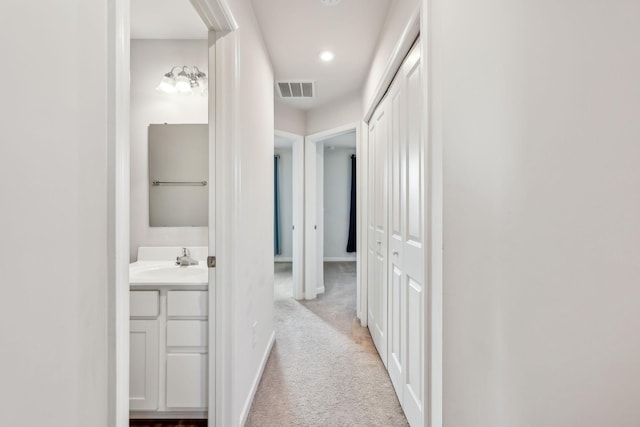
(326, 56)
(330, 2)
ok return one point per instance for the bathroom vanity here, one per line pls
(168, 335)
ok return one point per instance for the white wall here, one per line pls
(285, 175)
(397, 20)
(249, 173)
(150, 60)
(337, 202)
(345, 111)
(53, 182)
(539, 102)
(290, 119)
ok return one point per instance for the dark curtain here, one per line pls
(277, 250)
(351, 243)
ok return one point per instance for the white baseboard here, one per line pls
(256, 380)
(283, 259)
(320, 290)
(340, 259)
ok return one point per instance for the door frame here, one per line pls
(434, 209)
(218, 18)
(314, 206)
(297, 170)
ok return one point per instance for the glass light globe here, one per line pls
(167, 84)
(182, 83)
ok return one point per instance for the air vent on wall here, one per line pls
(296, 90)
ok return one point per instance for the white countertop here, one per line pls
(147, 274)
(156, 268)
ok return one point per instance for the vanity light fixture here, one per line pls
(187, 80)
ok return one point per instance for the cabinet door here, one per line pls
(186, 380)
(143, 364)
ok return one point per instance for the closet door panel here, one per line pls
(396, 281)
(396, 229)
(378, 282)
(413, 243)
(382, 200)
(371, 248)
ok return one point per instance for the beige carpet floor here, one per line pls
(324, 369)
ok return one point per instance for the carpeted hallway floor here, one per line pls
(324, 369)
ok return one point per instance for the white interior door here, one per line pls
(297, 210)
(397, 235)
(371, 241)
(298, 217)
(378, 290)
(214, 295)
(413, 242)
(319, 222)
(311, 227)
(396, 277)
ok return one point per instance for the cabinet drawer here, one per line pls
(187, 303)
(144, 304)
(187, 333)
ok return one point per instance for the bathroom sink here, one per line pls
(167, 272)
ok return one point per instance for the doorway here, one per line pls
(329, 179)
(289, 207)
(169, 348)
(216, 20)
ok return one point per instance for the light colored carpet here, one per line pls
(324, 369)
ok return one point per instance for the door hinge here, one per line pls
(211, 262)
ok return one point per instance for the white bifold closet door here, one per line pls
(399, 263)
(377, 251)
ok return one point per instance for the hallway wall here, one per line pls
(539, 104)
(290, 119)
(248, 171)
(55, 215)
(150, 59)
(342, 112)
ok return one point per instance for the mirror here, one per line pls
(178, 175)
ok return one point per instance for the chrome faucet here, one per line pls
(185, 260)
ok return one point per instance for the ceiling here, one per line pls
(166, 19)
(296, 31)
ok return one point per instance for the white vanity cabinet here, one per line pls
(168, 352)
